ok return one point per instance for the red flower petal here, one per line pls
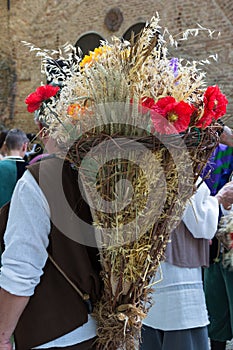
(177, 114)
(148, 102)
(160, 106)
(205, 120)
(42, 93)
(214, 102)
(162, 125)
(47, 91)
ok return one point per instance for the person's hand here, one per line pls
(227, 136)
(225, 195)
(6, 345)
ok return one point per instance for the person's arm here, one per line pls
(201, 214)
(26, 240)
(11, 307)
(226, 136)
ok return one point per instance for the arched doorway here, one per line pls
(88, 42)
(134, 30)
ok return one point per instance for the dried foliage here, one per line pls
(139, 125)
(131, 254)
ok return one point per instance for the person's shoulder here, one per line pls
(48, 164)
(5, 163)
(4, 160)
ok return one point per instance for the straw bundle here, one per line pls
(139, 125)
(133, 240)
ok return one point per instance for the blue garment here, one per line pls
(216, 175)
(11, 169)
(218, 281)
(219, 168)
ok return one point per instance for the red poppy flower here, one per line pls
(205, 120)
(176, 114)
(148, 102)
(163, 103)
(215, 102)
(42, 93)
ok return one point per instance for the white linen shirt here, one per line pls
(25, 256)
(179, 300)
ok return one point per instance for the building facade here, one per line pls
(52, 23)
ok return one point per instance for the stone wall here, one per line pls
(52, 23)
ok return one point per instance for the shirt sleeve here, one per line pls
(201, 213)
(25, 238)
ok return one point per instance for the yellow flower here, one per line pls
(94, 55)
(85, 60)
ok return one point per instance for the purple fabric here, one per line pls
(38, 158)
(219, 168)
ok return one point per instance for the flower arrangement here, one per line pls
(139, 126)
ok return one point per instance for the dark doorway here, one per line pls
(88, 42)
(134, 30)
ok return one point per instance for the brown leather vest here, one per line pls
(55, 308)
